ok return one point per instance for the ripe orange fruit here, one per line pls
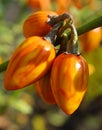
(39, 4)
(91, 40)
(36, 24)
(69, 81)
(31, 60)
(43, 88)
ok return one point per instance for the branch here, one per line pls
(97, 22)
(3, 66)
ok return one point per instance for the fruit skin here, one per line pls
(30, 62)
(69, 81)
(36, 24)
(91, 40)
(43, 88)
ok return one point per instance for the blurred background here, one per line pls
(23, 109)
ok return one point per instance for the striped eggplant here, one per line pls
(31, 60)
(43, 88)
(69, 81)
(37, 24)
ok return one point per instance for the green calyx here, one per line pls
(69, 38)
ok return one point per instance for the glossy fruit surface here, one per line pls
(69, 81)
(91, 40)
(43, 88)
(30, 61)
(36, 24)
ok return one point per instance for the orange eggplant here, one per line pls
(43, 88)
(91, 40)
(62, 6)
(39, 4)
(31, 61)
(37, 24)
(69, 81)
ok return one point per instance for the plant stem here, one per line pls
(3, 66)
(97, 22)
(72, 46)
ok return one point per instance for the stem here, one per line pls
(56, 19)
(97, 22)
(72, 46)
(63, 40)
(51, 36)
(3, 66)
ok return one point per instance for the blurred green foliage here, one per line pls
(23, 109)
